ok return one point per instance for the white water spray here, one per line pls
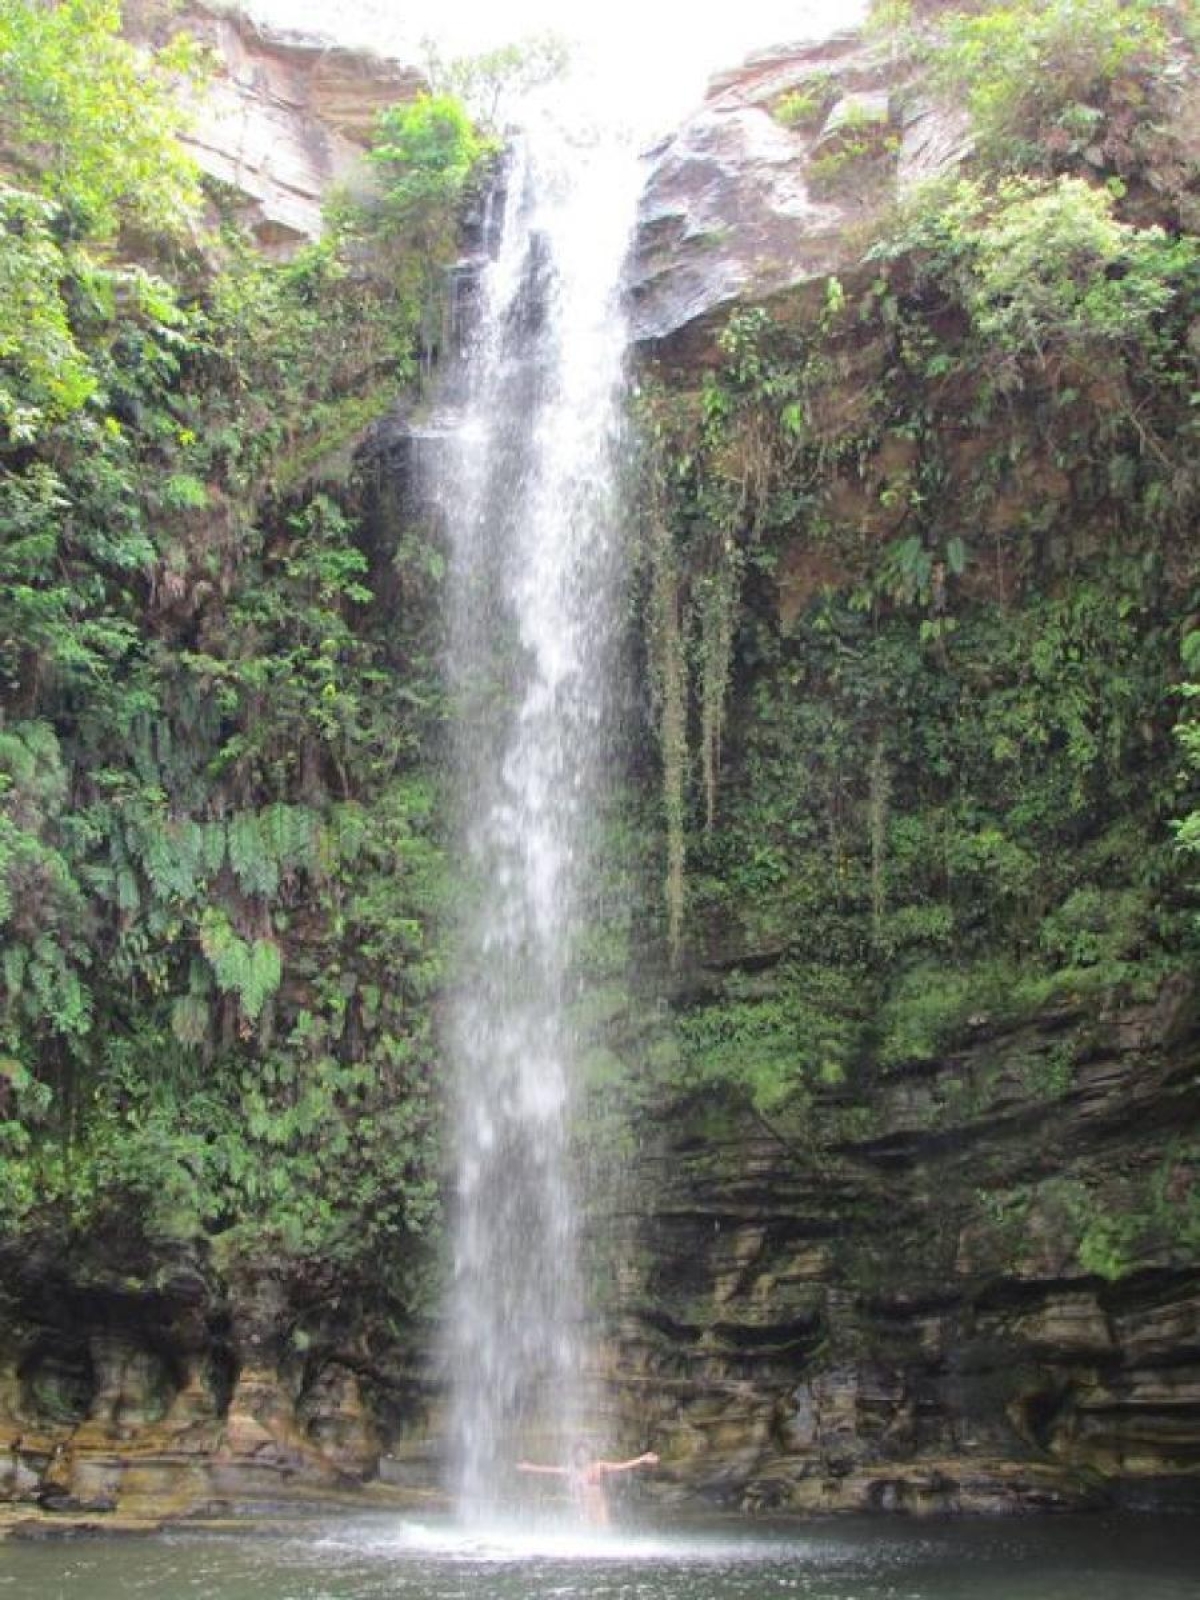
(527, 484)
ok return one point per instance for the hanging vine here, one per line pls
(718, 595)
(879, 794)
(668, 665)
(710, 460)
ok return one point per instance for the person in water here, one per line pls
(585, 1480)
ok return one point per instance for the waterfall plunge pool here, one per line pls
(1086, 1558)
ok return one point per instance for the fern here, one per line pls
(13, 963)
(170, 857)
(128, 895)
(254, 866)
(211, 851)
(290, 833)
(7, 857)
(251, 970)
(190, 1018)
(264, 972)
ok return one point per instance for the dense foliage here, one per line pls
(916, 570)
(917, 565)
(219, 852)
(1092, 87)
(88, 122)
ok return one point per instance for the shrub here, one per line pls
(1039, 76)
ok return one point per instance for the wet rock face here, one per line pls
(282, 117)
(917, 1318)
(141, 1388)
(771, 182)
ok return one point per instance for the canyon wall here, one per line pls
(894, 1087)
(912, 1222)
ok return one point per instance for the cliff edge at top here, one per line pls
(283, 116)
(770, 183)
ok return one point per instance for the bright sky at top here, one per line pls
(655, 56)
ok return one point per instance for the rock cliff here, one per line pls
(140, 1383)
(281, 117)
(828, 1318)
(776, 180)
(959, 1273)
(959, 1277)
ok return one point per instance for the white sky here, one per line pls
(655, 54)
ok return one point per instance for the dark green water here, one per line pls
(1089, 1559)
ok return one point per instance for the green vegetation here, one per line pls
(919, 556)
(1163, 1210)
(89, 123)
(1064, 86)
(916, 564)
(425, 155)
(1187, 731)
(220, 858)
(1054, 81)
(488, 83)
(860, 148)
(805, 107)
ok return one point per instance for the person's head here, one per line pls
(581, 1456)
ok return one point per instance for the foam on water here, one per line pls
(520, 1543)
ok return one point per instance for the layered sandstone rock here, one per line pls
(133, 1392)
(283, 117)
(901, 1316)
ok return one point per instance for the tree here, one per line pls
(89, 120)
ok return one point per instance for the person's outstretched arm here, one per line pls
(647, 1459)
(530, 1466)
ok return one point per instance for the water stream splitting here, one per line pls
(527, 483)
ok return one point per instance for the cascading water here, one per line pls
(527, 485)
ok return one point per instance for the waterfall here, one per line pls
(526, 482)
